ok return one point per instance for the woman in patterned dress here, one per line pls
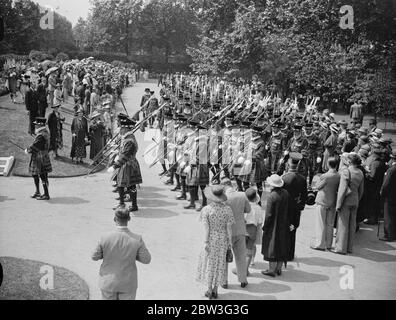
(217, 219)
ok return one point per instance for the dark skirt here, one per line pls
(258, 173)
(199, 175)
(40, 163)
(129, 174)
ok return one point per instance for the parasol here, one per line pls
(50, 70)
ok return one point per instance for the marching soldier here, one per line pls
(258, 172)
(40, 163)
(314, 151)
(276, 145)
(126, 164)
(298, 144)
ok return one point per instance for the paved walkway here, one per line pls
(65, 230)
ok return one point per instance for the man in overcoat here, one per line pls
(296, 186)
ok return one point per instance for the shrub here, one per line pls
(62, 56)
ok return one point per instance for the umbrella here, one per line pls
(50, 70)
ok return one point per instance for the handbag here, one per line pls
(229, 256)
(349, 190)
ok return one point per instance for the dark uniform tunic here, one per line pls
(40, 162)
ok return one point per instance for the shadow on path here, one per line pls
(5, 198)
(264, 287)
(321, 262)
(243, 296)
(154, 213)
(154, 203)
(67, 200)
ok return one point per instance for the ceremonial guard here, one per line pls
(314, 151)
(330, 147)
(197, 169)
(40, 163)
(126, 164)
(258, 172)
(276, 145)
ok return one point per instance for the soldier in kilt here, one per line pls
(314, 151)
(276, 145)
(126, 165)
(40, 163)
(197, 170)
(258, 172)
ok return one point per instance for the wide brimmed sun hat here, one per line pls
(216, 193)
(275, 181)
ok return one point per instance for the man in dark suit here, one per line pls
(296, 186)
(31, 102)
(375, 177)
(388, 193)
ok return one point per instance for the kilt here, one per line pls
(40, 163)
(129, 174)
(258, 173)
(199, 175)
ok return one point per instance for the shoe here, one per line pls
(199, 209)
(268, 273)
(337, 252)
(190, 206)
(224, 286)
(43, 197)
(177, 188)
(169, 183)
(244, 284)
(36, 195)
(181, 197)
(214, 295)
(316, 248)
(279, 272)
(208, 294)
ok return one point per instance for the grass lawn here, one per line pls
(22, 282)
(14, 123)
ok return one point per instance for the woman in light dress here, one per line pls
(217, 219)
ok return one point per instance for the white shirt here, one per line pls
(255, 216)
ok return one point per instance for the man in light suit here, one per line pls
(239, 205)
(120, 250)
(350, 191)
(326, 200)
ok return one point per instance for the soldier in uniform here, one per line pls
(40, 163)
(276, 145)
(126, 164)
(314, 151)
(258, 172)
(299, 144)
(152, 107)
(198, 169)
(330, 146)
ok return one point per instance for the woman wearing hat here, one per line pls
(97, 134)
(276, 229)
(55, 121)
(79, 130)
(40, 163)
(217, 219)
